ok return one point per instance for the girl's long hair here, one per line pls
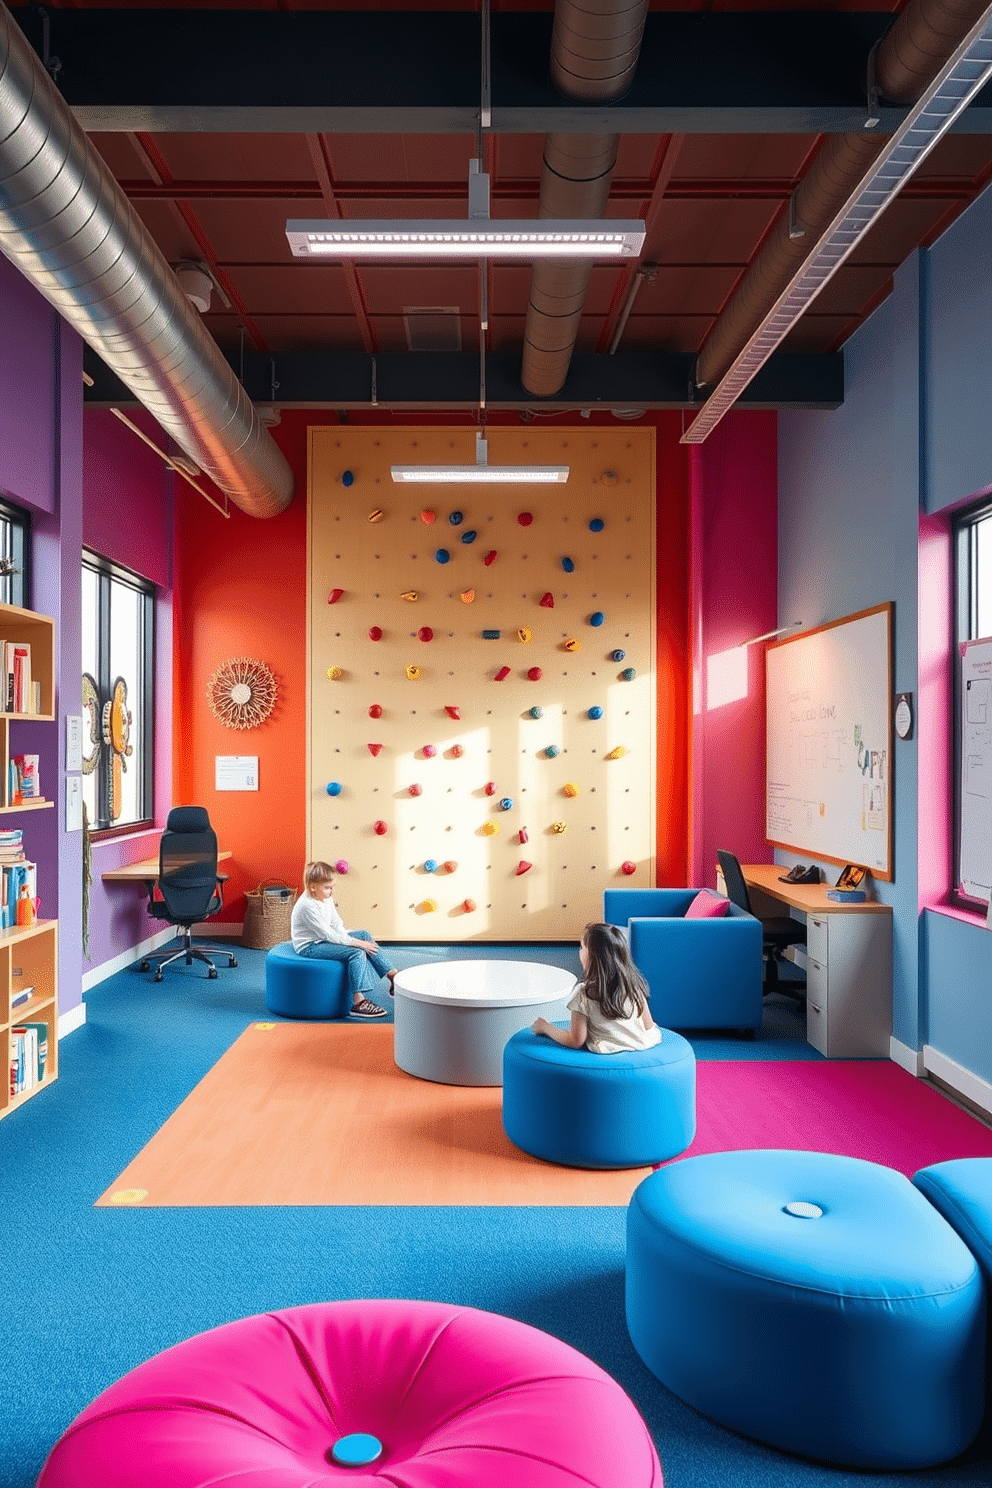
(612, 979)
(315, 874)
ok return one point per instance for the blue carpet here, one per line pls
(91, 1292)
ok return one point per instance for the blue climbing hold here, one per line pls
(551, 751)
(596, 712)
(536, 712)
(347, 478)
(430, 865)
(628, 675)
(333, 788)
(568, 565)
(507, 803)
(469, 536)
(597, 524)
(442, 555)
(490, 635)
(597, 617)
(456, 519)
(617, 655)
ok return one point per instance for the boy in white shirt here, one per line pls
(318, 932)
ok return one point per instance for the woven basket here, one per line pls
(268, 914)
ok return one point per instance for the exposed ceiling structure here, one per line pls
(220, 124)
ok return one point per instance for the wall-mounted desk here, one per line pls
(848, 963)
(145, 871)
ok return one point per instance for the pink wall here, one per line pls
(734, 588)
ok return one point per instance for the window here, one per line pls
(117, 701)
(973, 621)
(15, 546)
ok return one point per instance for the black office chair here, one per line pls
(777, 933)
(189, 888)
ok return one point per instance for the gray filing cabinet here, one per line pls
(849, 984)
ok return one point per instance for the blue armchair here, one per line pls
(703, 973)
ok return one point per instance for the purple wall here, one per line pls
(27, 371)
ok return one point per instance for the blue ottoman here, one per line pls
(587, 1110)
(297, 987)
(816, 1303)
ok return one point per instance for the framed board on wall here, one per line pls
(828, 703)
(975, 782)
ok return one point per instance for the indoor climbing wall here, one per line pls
(482, 693)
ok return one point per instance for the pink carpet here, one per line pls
(858, 1108)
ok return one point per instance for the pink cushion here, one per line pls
(262, 1401)
(707, 906)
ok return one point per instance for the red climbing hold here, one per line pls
(425, 633)
(453, 712)
(628, 867)
(523, 867)
(535, 674)
(374, 748)
(375, 711)
(375, 632)
(522, 835)
(379, 828)
(502, 674)
(490, 557)
(490, 787)
(334, 596)
(548, 602)
(525, 519)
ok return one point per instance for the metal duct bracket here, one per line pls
(873, 115)
(796, 229)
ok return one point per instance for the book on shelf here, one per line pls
(18, 687)
(20, 996)
(28, 1056)
(24, 784)
(13, 877)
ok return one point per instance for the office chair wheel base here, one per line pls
(212, 974)
(157, 977)
(146, 966)
(232, 961)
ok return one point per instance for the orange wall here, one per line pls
(240, 590)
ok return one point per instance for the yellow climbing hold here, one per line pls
(413, 672)
(429, 906)
(571, 645)
(523, 634)
(559, 827)
(376, 516)
(467, 596)
(617, 753)
(571, 789)
(409, 594)
(490, 828)
(335, 674)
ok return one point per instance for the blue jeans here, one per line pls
(365, 969)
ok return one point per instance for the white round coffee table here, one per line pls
(454, 1017)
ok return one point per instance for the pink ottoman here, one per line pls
(405, 1393)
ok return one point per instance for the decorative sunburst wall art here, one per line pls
(242, 692)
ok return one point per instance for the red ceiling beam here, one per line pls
(321, 157)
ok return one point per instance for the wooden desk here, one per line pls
(144, 871)
(810, 898)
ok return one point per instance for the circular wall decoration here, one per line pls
(242, 692)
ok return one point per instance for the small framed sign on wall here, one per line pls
(236, 772)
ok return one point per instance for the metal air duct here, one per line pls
(69, 229)
(594, 51)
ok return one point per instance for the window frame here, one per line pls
(964, 601)
(19, 522)
(107, 570)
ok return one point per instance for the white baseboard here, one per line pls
(962, 1081)
(73, 1019)
(907, 1058)
(110, 968)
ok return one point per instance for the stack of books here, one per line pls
(28, 1056)
(23, 783)
(19, 693)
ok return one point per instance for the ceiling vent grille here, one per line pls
(433, 327)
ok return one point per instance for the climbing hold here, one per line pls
(379, 828)
(429, 751)
(522, 835)
(490, 787)
(617, 753)
(333, 788)
(375, 632)
(525, 519)
(442, 555)
(617, 655)
(452, 711)
(571, 789)
(415, 789)
(456, 751)
(428, 516)
(469, 536)
(523, 634)
(335, 673)
(490, 635)
(552, 751)
(430, 865)
(571, 644)
(374, 749)
(523, 867)
(375, 711)
(597, 524)
(334, 596)
(597, 617)
(506, 803)
(628, 867)
(425, 633)
(342, 866)
(536, 712)
(490, 828)
(568, 565)
(559, 827)
(376, 515)
(449, 865)
(467, 596)
(468, 905)
(413, 672)
(429, 906)
(596, 712)
(547, 601)
(628, 675)
(490, 557)
(409, 594)
(456, 518)
(347, 478)
(535, 674)
(502, 674)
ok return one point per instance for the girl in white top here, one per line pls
(318, 933)
(610, 1013)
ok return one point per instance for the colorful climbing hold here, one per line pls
(428, 516)
(333, 788)
(347, 478)
(568, 564)
(597, 617)
(490, 635)
(415, 790)
(628, 867)
(617, 655)
(375, 632)
(410, 595)
(523, 634)
(425, 633)
(628, 675)
(469, 536)
(468, 905)
(490, 557)
(456, 518)
(442, 555)
(342, 866)
(506, 804)
(452, 711)
(523, 867)
(375, 710)
(334, 596)
(522, 835)
(489, 829)
(597, 524)
(374, 749)
(535, 674)
(559, 827)
(467, 596)
(571, 789)
(617, 753)
(429, 906)
(430, 865)
(335, 673)
(376, 515)
(413, 672)
(379, 828)
(536, 712)
(595, 711)
(551, 752)
(547, 601)
(456, 751)
(490, 787)
(571, 644)
(429, 751)
(502, 674)
(449, 865)
(525, 519)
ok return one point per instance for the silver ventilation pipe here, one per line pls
(69, 229)
(594, 51)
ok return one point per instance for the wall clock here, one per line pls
(242, 692)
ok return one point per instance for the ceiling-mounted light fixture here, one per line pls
(481, 472)
(477, 236)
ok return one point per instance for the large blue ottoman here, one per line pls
(298, 987)
(587, 1110)
(816, 1303)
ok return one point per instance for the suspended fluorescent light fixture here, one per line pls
(477, 236)
(481, 472)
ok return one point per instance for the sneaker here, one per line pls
(366, 1009)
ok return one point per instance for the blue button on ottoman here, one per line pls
(816, 1303)
(587, 1110)
(298, 987)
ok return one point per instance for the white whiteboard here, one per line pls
(828, 706)
(975, 794)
